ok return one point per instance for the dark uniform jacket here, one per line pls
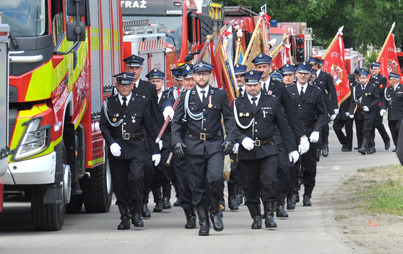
(360, 98)
(136, 119)
(262, 123)
(209, 124)
(393, 101)
(148, 90)
(344, 107)
(325, 82)
(380, 82)
(312, 106)
(294, 115)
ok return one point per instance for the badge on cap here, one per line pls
(260, 55)
(200, 65)
(188, 68)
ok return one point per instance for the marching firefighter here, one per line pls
(358, 127)
(277, 88)
(288, 72)
(256, 116)
(236, 180)
(311, 104)
(365, 100)
(325, 82)
(134, 64)
(125, 118)
(393, 102)
(203, 144)
(380, 82)
(162, 176)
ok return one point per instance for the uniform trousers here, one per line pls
(394, 126)
(308, 167)
(180, 171)
(205, 172)
(261, 179)
(377, 124)
(283, 170)
(344, 139)
(128, 179)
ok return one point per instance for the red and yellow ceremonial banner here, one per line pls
(388, 57)
(334, 63)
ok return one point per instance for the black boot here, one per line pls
(232, 203)
(364, 148)
(255, 213)
(166, 190)
(145, 212)
(136, 214)
(280, 212)
(203, 220)
(371, 146)
(290, 201)
(325, 150)
(215, 217)
(190, 218)
(269, 214)
(157, 199)
(239, 194)
(124, 216)
(307, 200)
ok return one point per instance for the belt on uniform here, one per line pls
(128, 136)
(312, 122)
(260, 142)
(203, 135)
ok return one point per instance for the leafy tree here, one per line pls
(366, 22)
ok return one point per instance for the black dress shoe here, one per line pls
(191, 222)
(137, 221)
(145, 212)
(166, 203)
(124, 224)
(158, 207)
(346, 149)
(387, 145)
(218, 225)
(177, 202)
(307, 201)
(257, 222)
(325, 150)
(269, 222)
(280, 212)
(204, 228)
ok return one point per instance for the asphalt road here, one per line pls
(307, 230)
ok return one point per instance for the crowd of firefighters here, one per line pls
(274, 132)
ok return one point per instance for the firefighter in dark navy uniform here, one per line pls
(134, 64)
(256, 116)
(204, 144)
(236, 180)
(311, 103)
(271, 86)
(124, 118)
(363, 104)
(393, 102)
(325, 82)
(380, 82)
(162, 176)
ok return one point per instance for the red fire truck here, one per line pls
(4, 149)
(63, 54)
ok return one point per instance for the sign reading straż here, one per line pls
(133, 4)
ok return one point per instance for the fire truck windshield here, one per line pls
(173, 25)
(25, 17)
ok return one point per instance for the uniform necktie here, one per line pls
(202, 96)
(362, 87)
(124, 99)
(254, 103)
(264, 87)
(301, 92)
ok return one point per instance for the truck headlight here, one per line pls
(34, 140)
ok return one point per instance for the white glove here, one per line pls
(160, 144)
(303, 145)
(382, 112)
(115, 149)
(351, 116)
(168, 111)
(314, 137)
(347, 114)
(236, 148)
(293, 156)
(248, 143)
(332, 117)
(156, 158)
(336, 111)
(365, 108)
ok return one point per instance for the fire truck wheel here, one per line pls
(97, 190)
(46, 217)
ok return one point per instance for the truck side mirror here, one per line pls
(75, 31)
